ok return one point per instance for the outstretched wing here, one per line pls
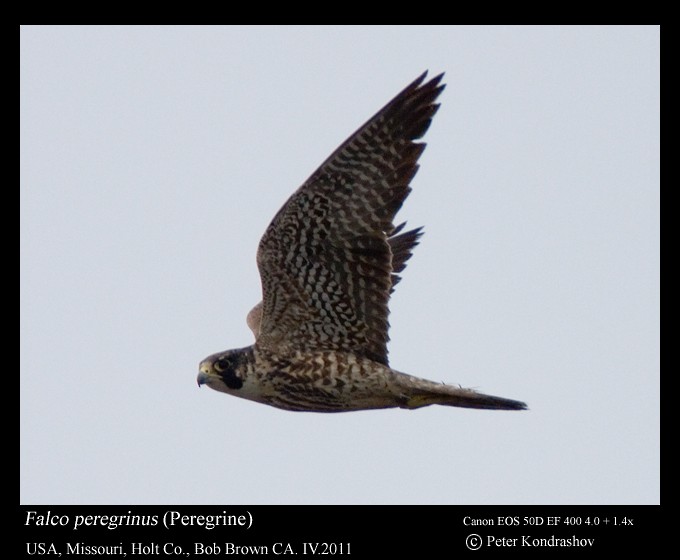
(326, 260)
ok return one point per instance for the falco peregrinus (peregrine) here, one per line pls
(329, 261)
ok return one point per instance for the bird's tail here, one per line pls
(422, 392)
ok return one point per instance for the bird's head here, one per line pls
(221, 371)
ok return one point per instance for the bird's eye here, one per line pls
(223, 364)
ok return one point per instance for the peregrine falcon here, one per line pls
(329, 262)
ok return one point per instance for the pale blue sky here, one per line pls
(153, 158)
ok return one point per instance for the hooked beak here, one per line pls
(203, 373)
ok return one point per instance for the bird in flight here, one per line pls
(329, 262)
